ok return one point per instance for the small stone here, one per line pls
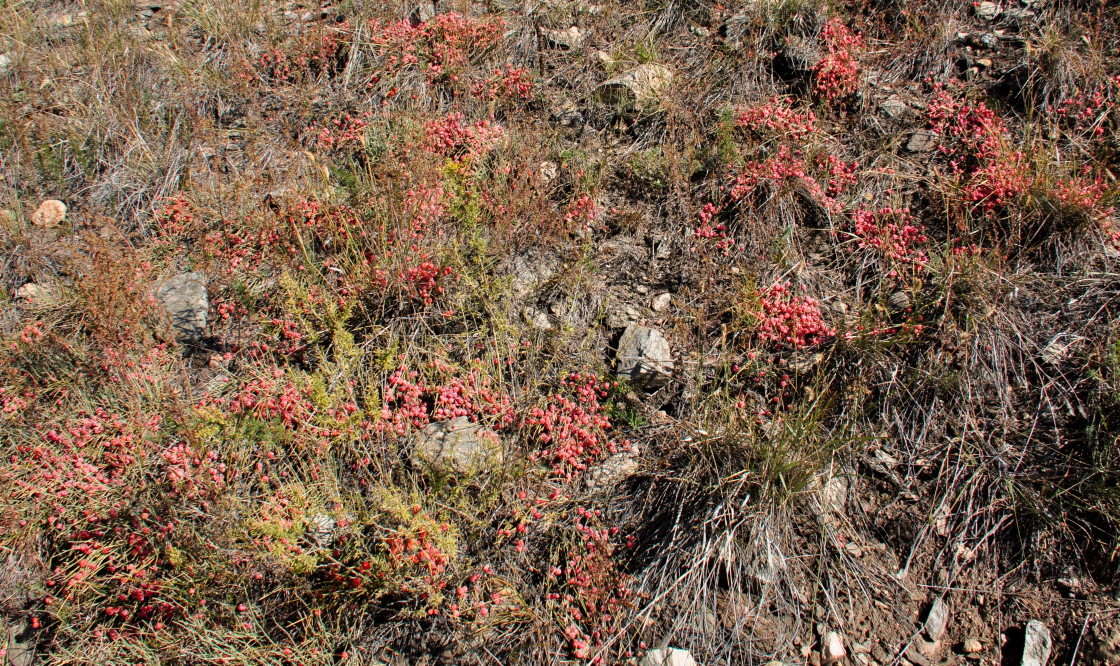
(644, 357)
(661, 302)
(613, 470)
(984, 40)
(426, 12)
(987, 10)
(899, 301)
(185, 300)
(537, 319)
(638, 86)
(937, 619)
(929, 648)
(1036, 644)
(320, 530)
(701, 32)
(549, 171)
(622, 316)
(457, 446)
(572, 38)
(972, 646)
(914, 654)
(50, 214)
(853, 549)
(29, 292)
(832, 648)
(668, 657)
(986, 63)
(922, 141)
(893, 106)
(5, 63)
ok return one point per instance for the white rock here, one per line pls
(644, 357)
(972, 646)
(661, 302)
(5, 63)
(457, 446)
(668, 657)
(185, 300)
(987, 10)
(1036, 644)
(937, 619)
(50, 214)
(832, 648)
(637, 86)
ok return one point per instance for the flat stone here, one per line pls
(457, 446)
(186, 302)
(613, 470)
(987, 10)
(644, 357)
(667, 657)
(1036, 644)
(937, 619)
(922, 141)
(572, 38)
(972, 646)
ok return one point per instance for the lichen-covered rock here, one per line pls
(644, 357)
(457, 446)
(185, 300)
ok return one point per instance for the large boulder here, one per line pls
(184, 298)
(634, 88)
(457, 446)
(644, 357)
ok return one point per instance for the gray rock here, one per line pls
(572, 38)
(5, 63)
(644, 357)
(987, 10)
(457, 446)
(637, 87)
(922, 141)
(899, 301)
(622, 316)
(893, 107)
(613, 470)
(320, 530)
(661, 302)
(537, 319)
(798, 55)
(668, 657)
(185, 300)
(937, 619)
(1036, 644)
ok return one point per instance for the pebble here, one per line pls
(50, 214)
